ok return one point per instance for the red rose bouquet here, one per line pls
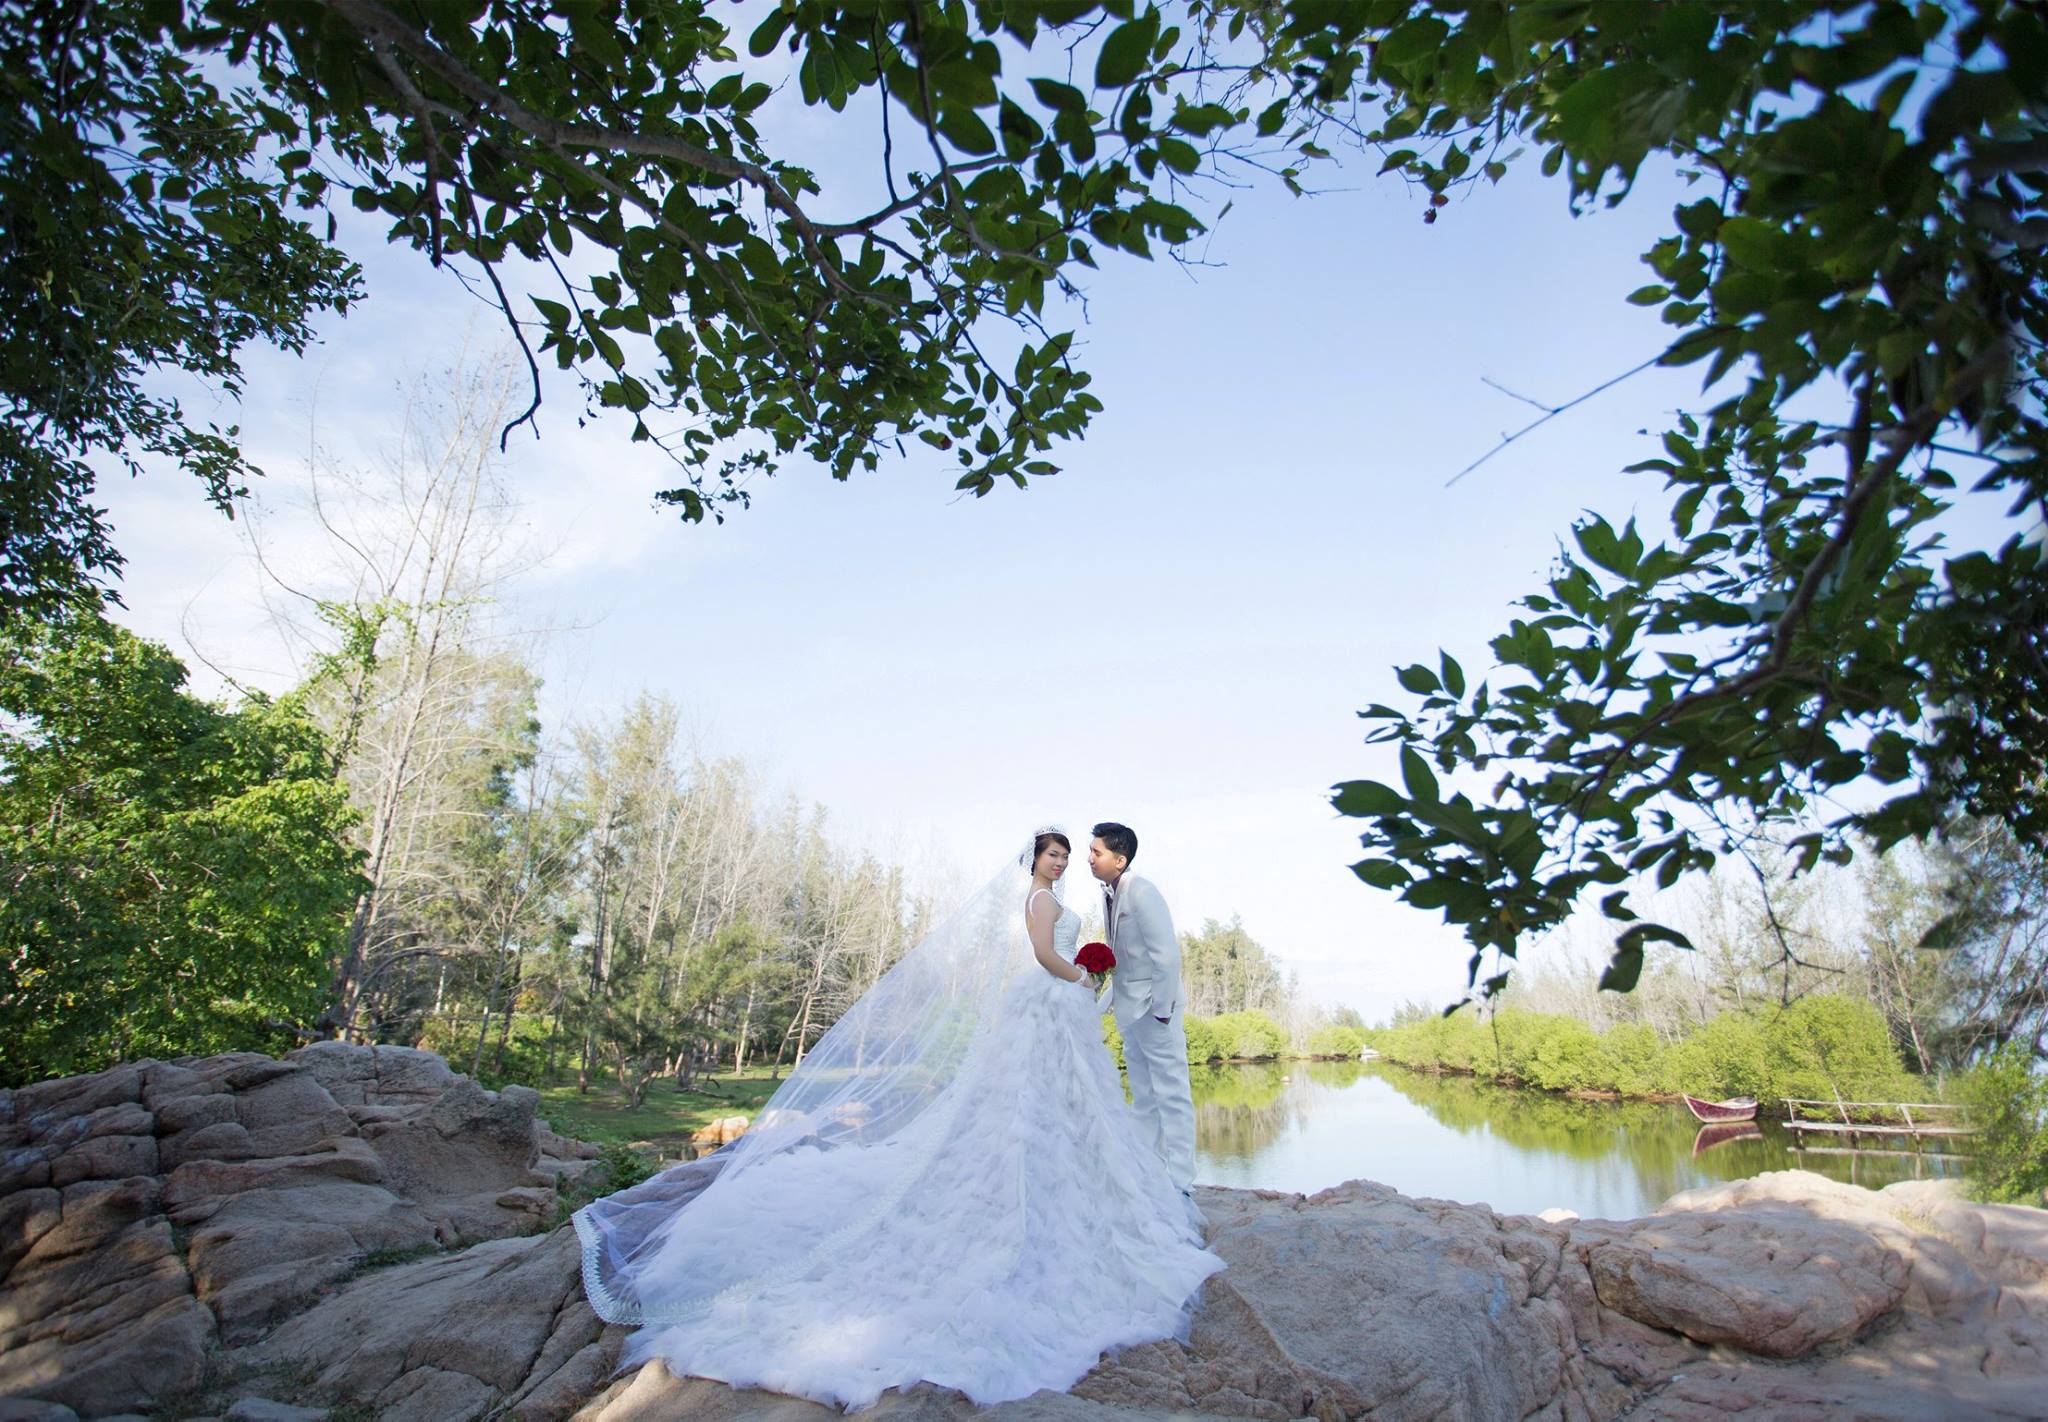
(1097, 961)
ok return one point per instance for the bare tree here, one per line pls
(422, 702)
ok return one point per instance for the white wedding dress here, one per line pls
(1013, 1230)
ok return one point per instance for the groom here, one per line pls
(1145, 991)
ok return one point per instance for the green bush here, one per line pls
(2008, 1101)
(1457, 1043)
(1248, 1034)
(1553, 1053)
(1725, 1056)
(1336, 1041)
(1234, 1034)
(1826, 1047)
(624, 1167)
(1633, 1061)
(1113, 1039)
(178, 874)
(1817, 1048)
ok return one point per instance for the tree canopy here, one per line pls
(1855, 272)
(173, 875)
(1863, 265)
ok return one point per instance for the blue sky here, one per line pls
(1175, 632)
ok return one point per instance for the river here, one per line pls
(1305, 1126)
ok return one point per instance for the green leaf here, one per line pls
(1062, 98)
(1759, 245)
(1637, 937)
(1358, 799)
(1417, 678)
(1412, 40)
(1381, 873)
(1127, 50)
(1945, 933)
(1623, 969)
(1179, 155)
(1416, 775)
(769, 31)
(1021, 132)
(963, 127)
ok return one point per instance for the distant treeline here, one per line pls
(1254, 1036)
(398, 850)
(1821, 1047)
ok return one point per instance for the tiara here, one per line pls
(1029, 853)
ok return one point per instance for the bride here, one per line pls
(949, 1188)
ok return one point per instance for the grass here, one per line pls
(664, 1122)
(210, 1393)
(390, 1258)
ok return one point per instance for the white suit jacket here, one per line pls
(1140, 932)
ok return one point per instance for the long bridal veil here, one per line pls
(664, 1250)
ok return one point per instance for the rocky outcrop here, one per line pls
(501, 1328)
(153, 1215)
(231, 1275)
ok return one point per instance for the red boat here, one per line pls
(1735, 1108)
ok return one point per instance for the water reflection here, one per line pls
(1724, 1133)
(1308, 1125)
(1240, 1110)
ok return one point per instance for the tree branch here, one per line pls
(375, 22)
(1856, 498)
(1551, 412)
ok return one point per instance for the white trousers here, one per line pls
(1156, 1060)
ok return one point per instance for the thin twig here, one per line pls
(1551, 412)
(1516, 395)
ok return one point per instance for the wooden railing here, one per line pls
(1896, 1118)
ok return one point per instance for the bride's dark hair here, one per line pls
(1046, 837)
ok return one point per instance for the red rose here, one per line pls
(1095, 958)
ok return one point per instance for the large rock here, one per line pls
(44, 1107)
(1770, 1284)
(1324, 1298)
(98, 1312)
(464, 1154)
(455, 1337)
(377, 1076)
(267, 1254)
(158, 1211)
(1968, 1338)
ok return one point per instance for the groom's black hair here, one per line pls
(1118, 839)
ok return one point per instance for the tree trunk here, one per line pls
(505, 1018)
(803, 1030)
(555, 1031)
(739, 1047)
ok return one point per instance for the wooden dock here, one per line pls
(1894, 1120)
